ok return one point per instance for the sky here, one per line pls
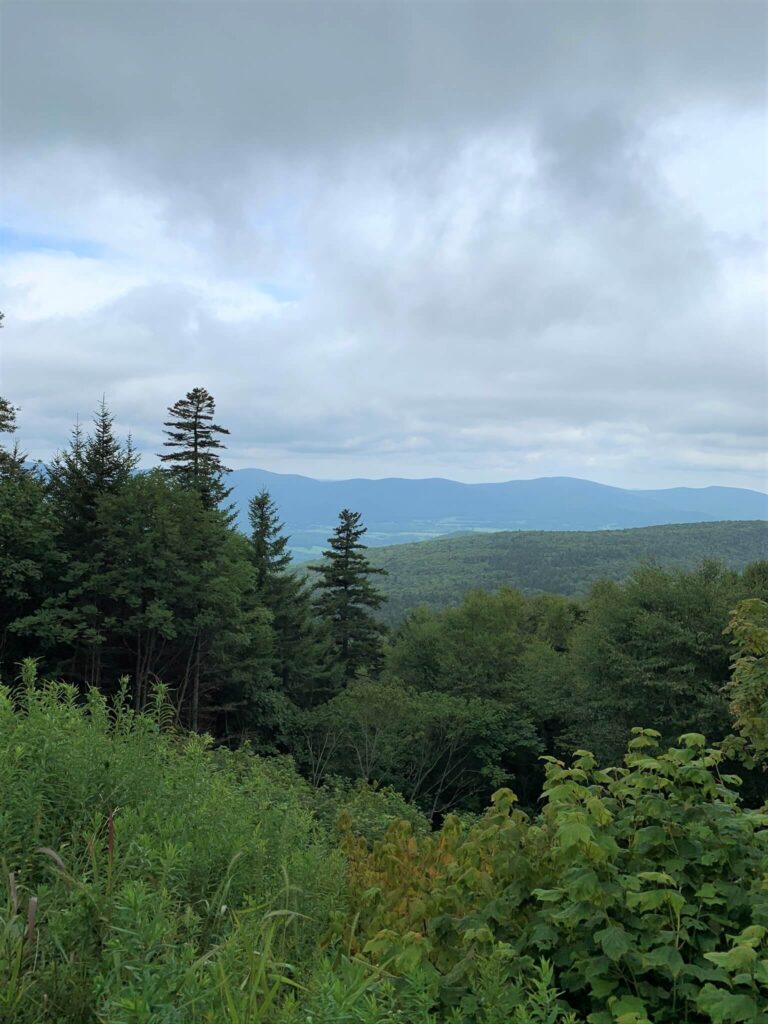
(477, 240)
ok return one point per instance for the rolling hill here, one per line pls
(397, 510)
(438, 572)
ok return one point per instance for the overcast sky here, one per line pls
(476, 240)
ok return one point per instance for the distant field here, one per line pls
(438, 572)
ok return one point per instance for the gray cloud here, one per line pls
(474, 239)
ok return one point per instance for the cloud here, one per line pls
(475, 240)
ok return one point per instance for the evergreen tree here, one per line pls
(11, 459)
(268, 543)
(71, 623)
(90, 467)
(302, 652)
(180, 589)
(30, 564)
(193, 440)
(346, 598)
(7, 417)
(68, 490)
(107, 462)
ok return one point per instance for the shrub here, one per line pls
(645, 886)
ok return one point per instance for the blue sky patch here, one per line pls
(12, 241)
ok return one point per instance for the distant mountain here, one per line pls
(438, 573)
(398, 510)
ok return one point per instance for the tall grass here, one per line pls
(157, 866)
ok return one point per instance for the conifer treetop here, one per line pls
(268, 543)
(346, 597)
(194, 442)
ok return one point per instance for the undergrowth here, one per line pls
(152, 879)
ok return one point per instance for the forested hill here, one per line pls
(398, 511)
(438, 572)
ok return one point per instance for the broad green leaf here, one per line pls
(724, 1007)
(614, 941)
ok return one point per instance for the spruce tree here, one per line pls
(193, 440)
(346, 598)
(11, 459)
(7, 417)
(302, 652)
(268, 543)
(71, 623)
(90, 467)
(107, 462)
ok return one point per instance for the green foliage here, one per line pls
(302, 655)
(69, 624)
(644, 887)
(435, 748)
(12, 459)
(366, 809)
(346, 599)
(748, 688)
(151, 878)
(652, 651)
(474, 649)
(7, 416)
(89, 468)
(157, 865)
(193, 439)
(28, 556)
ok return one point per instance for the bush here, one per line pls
(645, 886)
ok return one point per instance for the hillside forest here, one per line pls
(438, 573)
(230, 792)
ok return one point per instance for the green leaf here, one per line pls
(574, 833)
(629, 1010)
(656, 876)
(665, 956)
(739, 957)
(614, 941)
(725, 1008)
(548, 895)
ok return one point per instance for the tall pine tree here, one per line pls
(193, 439)
(346, 598)
(303, 663)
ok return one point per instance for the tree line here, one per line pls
(111, 577)
(109, 572)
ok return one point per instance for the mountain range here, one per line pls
(398, 510)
